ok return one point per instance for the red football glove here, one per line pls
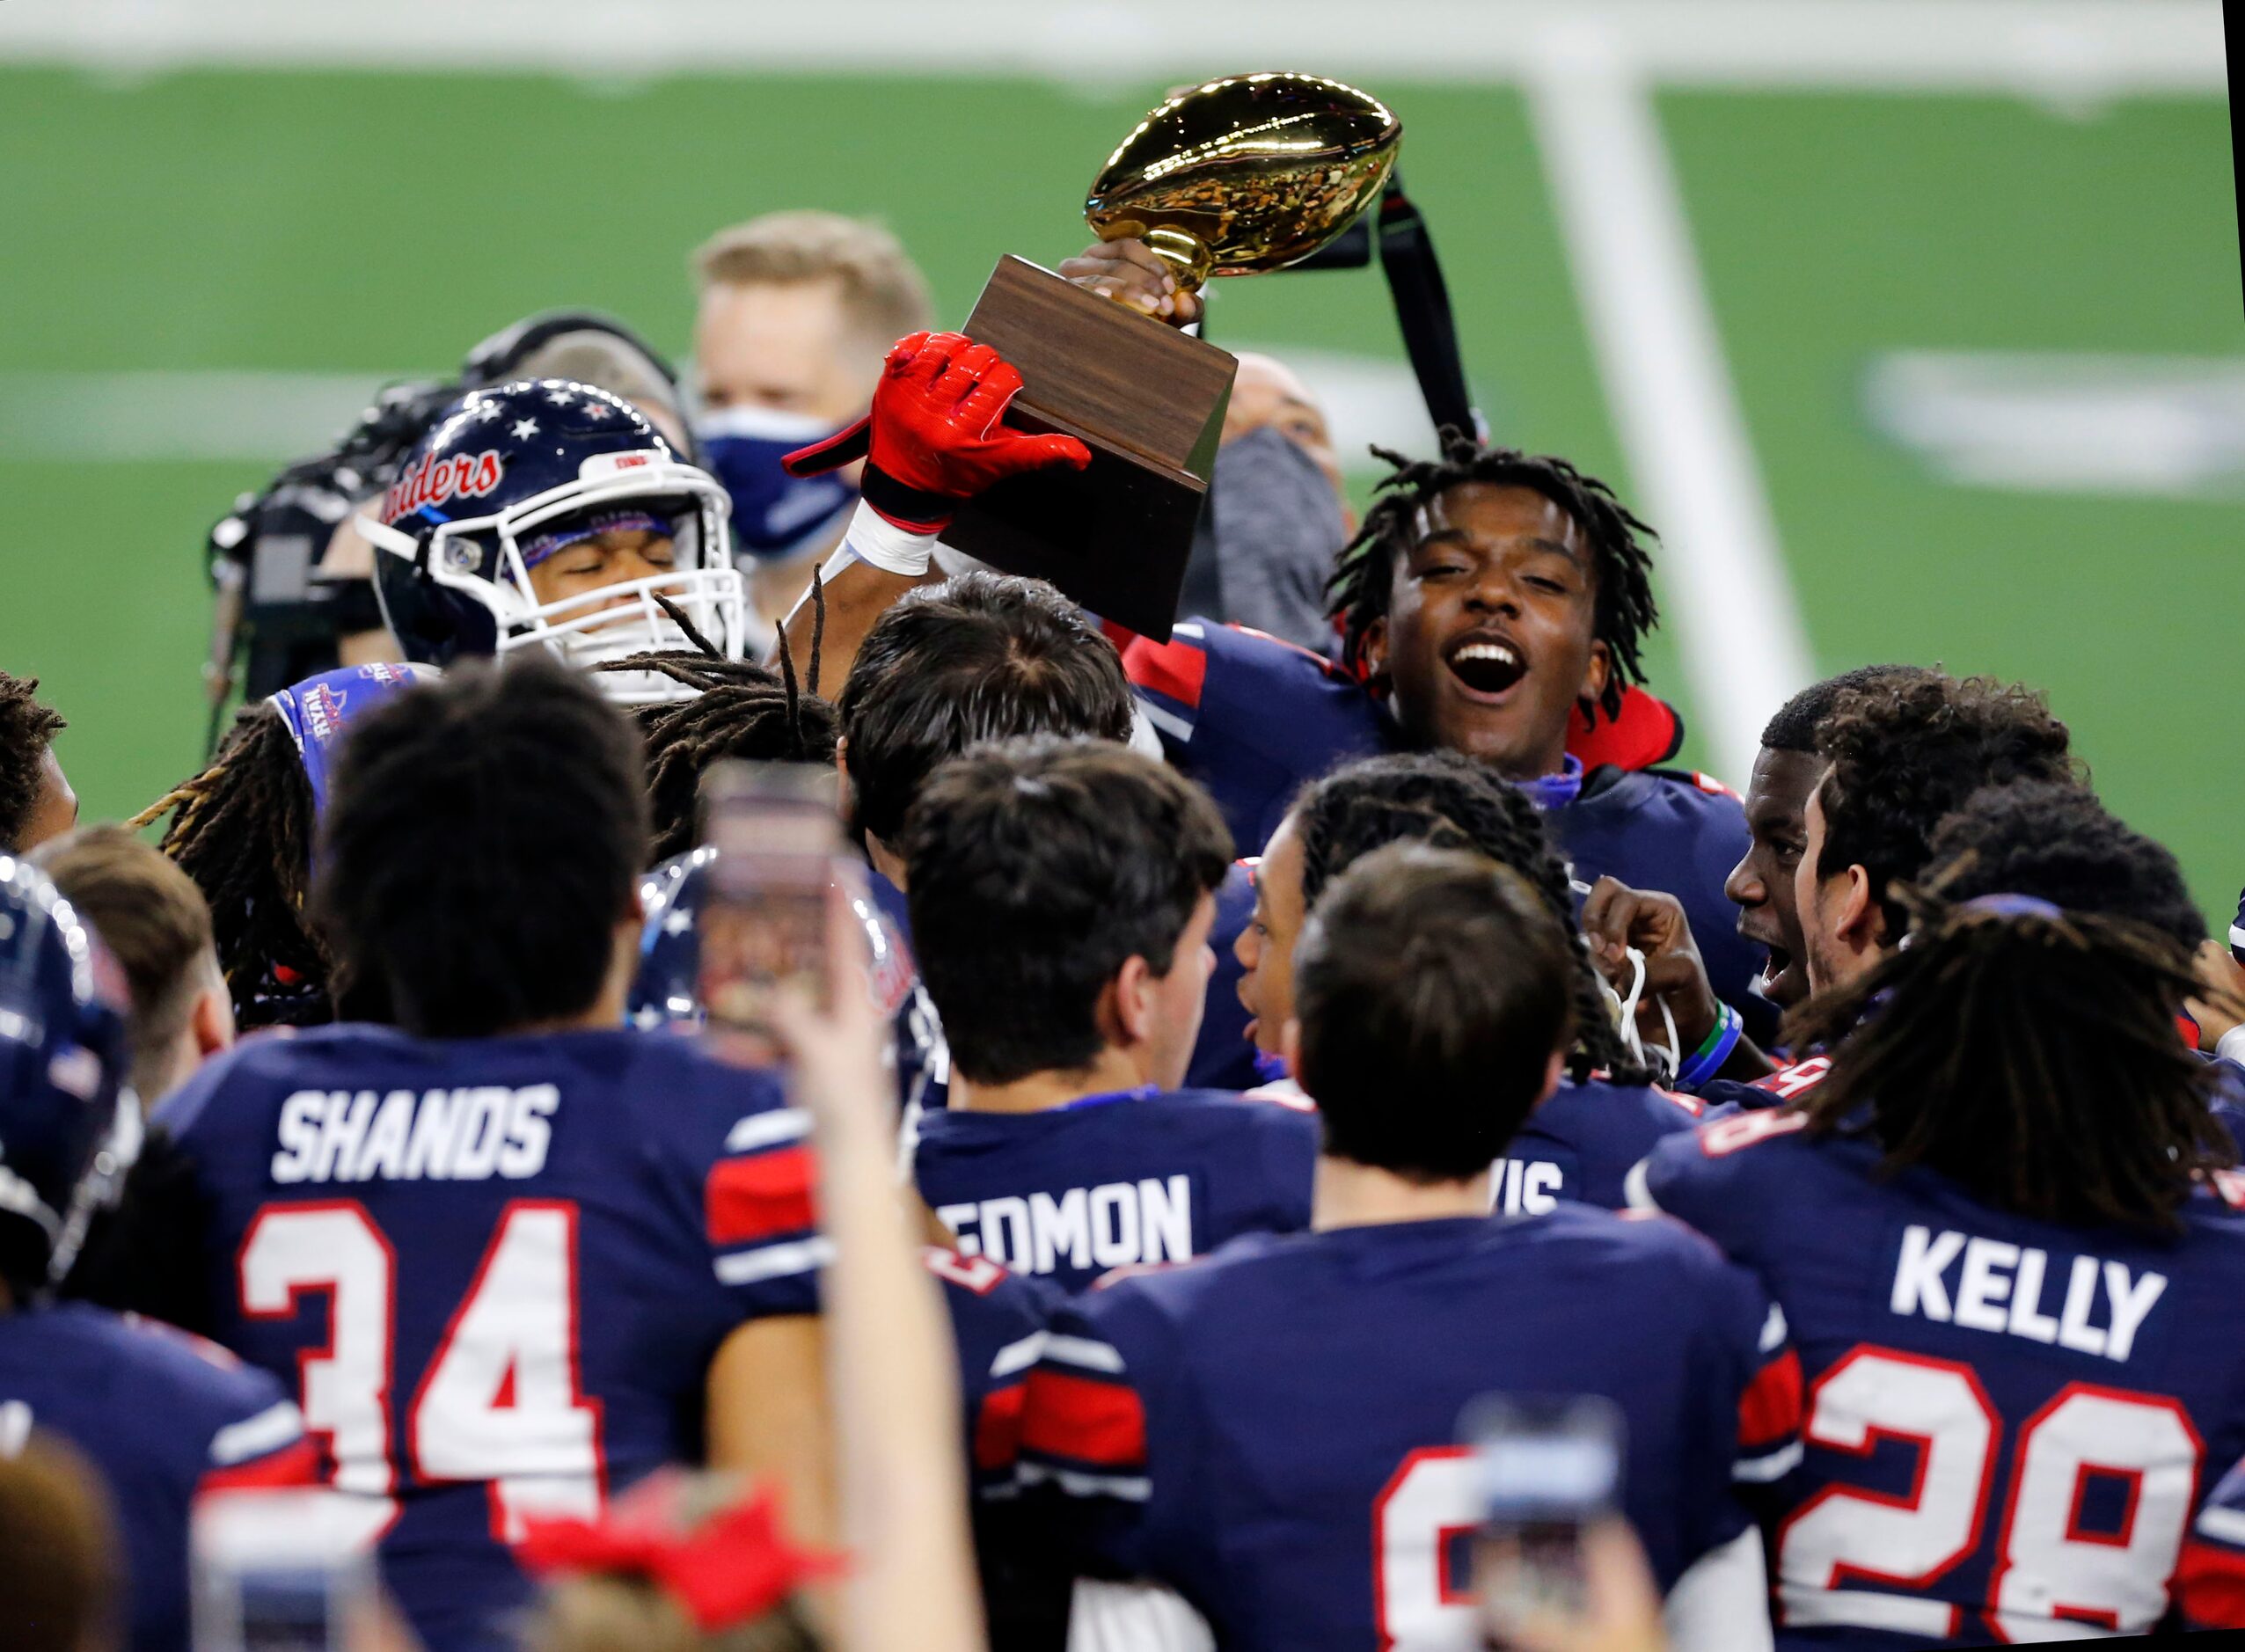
(935, 437)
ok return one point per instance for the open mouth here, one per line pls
(1487, 665)
(1779, 961)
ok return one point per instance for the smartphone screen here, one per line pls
(1548, 1468)
(763, 924)
(285, 1570)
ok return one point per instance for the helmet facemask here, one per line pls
(483, 560)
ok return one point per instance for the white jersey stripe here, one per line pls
(774, 1262)
(268, 1431)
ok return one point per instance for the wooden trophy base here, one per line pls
(1149, 402)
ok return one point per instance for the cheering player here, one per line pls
(1999, 1228)
(1582, 1142)
(1268, 1433)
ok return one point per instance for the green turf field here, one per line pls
(368, 223)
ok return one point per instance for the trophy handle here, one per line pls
(1189, 258)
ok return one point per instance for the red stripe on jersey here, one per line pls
(759, 1198)
(1744, 1130)
(2210, 1584)
(1089, 1421)
(1770, 1409)
(1801, 1077)
(1178, 669)
(997, 1427)
(297, 1464)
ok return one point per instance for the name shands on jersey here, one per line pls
(497, 1269)
(1117, 1180)
(166, 1419)
(2009, 1424)
(1272, 1432)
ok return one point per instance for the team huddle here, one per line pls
(1279, 1045)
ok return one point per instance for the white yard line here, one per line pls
(1731, 600)
(2066, 48)
(140, 417)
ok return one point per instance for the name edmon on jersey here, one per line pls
(1110, 1225)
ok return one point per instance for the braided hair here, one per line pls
(2029, 1055)
(1357, 594)
(26, 728)
(739, 710)
(243, 830)
(1450, 801)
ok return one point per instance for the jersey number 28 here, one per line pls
(2049, 1570)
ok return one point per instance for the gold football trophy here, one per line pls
(1245, 174)
(1248, 173)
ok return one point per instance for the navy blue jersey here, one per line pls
(2229, 1098)
(1115, 1181)
(163, 1417)
(997, 1320)
(998, 1327)
(1777, 1089)
(1253, 719)
(1582, 1145)
(498, 1269)
(1272, 1431)
(2009, 1423)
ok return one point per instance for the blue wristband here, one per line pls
(1708, 1060)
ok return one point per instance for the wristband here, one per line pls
(2231, 1045)
(872, 537)
(1705, 1061)
(915, 509)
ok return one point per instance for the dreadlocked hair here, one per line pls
(1449, 801)
(1357, 594)
(26, 728)
(739, 710)
(243, 830)
(2030, 1055)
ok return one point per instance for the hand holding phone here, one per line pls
(1555, 1568)
(764, 928)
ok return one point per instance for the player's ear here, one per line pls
(1553, 1070)
(1128, 1004)
(210, 1023)
(1372, 651)
(1861, 924)
(1597, 671)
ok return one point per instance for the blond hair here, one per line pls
(153, 919)
(883, 293)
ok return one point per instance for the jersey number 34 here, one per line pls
(498, 1401)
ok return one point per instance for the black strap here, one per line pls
(1423, 310)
